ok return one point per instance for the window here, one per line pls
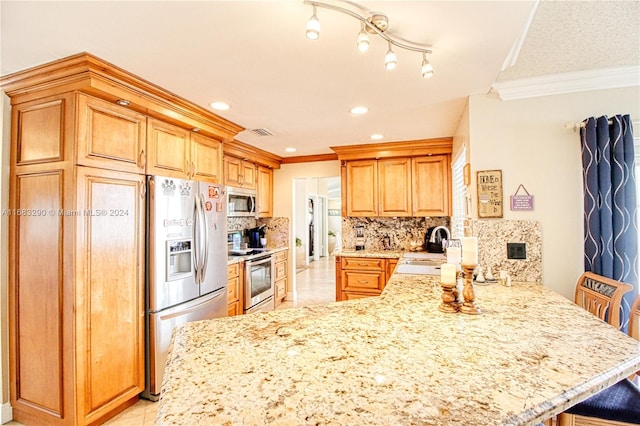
(459, 191)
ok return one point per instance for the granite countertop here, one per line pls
(383, 254)
(395, 360)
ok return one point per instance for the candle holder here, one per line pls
(449, 298)
(469, 305)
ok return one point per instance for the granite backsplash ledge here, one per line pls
(493, 236)
(402, 231)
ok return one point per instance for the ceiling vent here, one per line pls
(262, 132)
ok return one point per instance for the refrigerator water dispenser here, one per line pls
(179, 264)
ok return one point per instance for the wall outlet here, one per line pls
(516, 250)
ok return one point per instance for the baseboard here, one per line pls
(6, 415)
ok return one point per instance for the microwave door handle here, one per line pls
(251, 204)
(205, 248)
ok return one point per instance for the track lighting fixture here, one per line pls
(313, 26)
(363, 39)
(390, 60)
(427, 68)
(376, 23)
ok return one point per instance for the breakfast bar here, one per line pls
(395, 360)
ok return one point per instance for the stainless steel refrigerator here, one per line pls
(186, 263)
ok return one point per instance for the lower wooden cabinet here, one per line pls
(280, 276)
(234, 289)
(358, 277)
(76, 294)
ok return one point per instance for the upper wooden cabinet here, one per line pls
(418, 186)
(431, 177)
(409, 178)
(176, 152)
(394, 177)
(265, 192)
(362, 188)
(110, 136)
(239, 173)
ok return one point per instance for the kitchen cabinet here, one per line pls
(358, 277)
(265, 192)
(234, 289)
(409, 186)
(239, 173)
(394, 179)
(362, 188)
(98, 122)
(77, 229)
(431, 185)
(280, 276)
(76, 279)
(177, 152)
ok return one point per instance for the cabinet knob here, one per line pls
(142, 159)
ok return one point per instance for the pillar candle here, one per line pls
(448, 273)
(470, 251)
(453, 255)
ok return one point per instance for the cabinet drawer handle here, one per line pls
(363, 281)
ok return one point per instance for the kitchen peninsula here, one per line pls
(395, 359)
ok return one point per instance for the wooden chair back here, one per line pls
(601, 296)
(634, 319)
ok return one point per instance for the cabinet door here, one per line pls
(206, 158)
(110, 238)
(265, 192)
(431, 186)
(362, 188)
(168, 150)
(232, 171)
(394, 191)
(248, 175)
(110, 136)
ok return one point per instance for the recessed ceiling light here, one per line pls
(220, 106)
(290, 149)
(359, 110)
(376, 137)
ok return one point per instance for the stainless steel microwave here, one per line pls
(241, 202)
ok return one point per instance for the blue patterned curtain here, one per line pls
(610, 209)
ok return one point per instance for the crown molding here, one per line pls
(579, 81)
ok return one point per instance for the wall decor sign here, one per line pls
(522, 202)
(489, 193)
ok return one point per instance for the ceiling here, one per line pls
(254, 56)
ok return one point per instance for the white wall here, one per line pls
(528, 141)
(284, 195)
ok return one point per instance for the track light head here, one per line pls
(313, 26)
(363, 39)
(427, 68)
(390, 60)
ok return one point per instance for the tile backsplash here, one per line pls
(493, 236)
(276, 230)
(400, 230)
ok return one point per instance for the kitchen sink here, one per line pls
(420, 265)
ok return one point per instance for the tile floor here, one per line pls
(316, 284)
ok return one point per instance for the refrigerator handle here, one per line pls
(196, 239)
(205, 225)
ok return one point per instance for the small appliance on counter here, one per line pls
(359, 237)
(255, 235)
(435, 239)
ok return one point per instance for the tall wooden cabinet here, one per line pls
(77, 230)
